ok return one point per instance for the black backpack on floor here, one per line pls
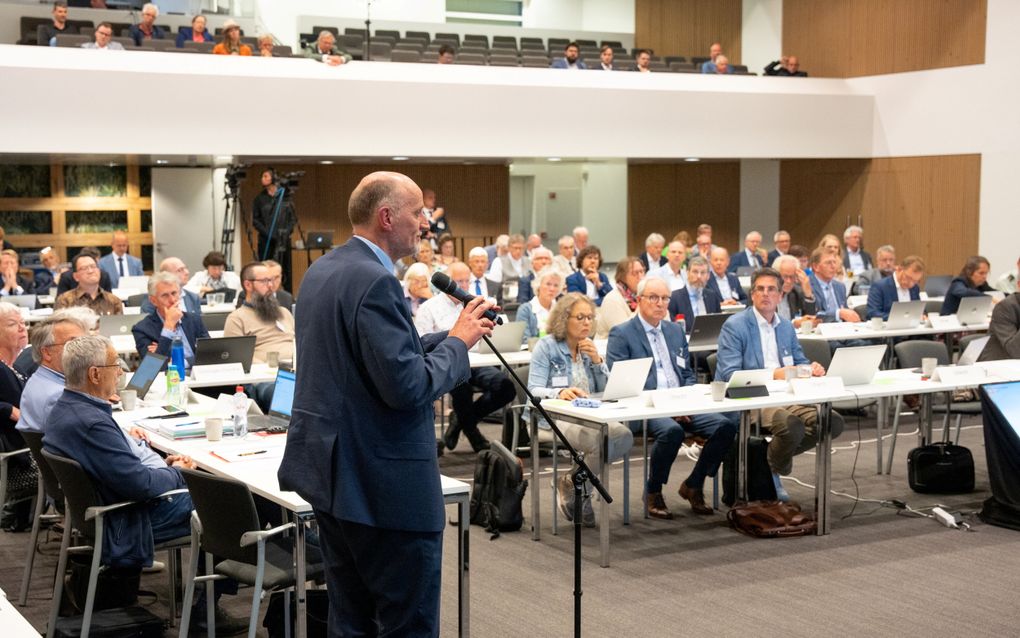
(498, 490)
(759, 476)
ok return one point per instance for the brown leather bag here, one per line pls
(770, 519)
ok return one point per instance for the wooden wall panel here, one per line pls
(926, 206)
(688, 27)
(668, 198)
(477, 199)
(850, 38)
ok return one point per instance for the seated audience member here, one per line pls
(230, 42)
(265, 44)
(758, 338)
(21, 473)
(423, 255)
(708, 66)
(703, 246)
(1008, 282)
(902, 285)
(103, 39)
(66, 281)
(533, 243)
(750, 256)
(1003, 330)
(324, 49)
(643, 61)
(587, 280)
(13, 282)
(4, 244)
(856, 259)
(652, 258)
(621, 303)
(157, 331)
(781, 241)
(650, 334)
(580, 234)
(606, 58)
(673, 270)
(535, 312)
(971, 282)
(478, 284)
(88, 293)
(439, 314)
(190, 303)
(796, 300)
(885, 265)
(695, 298)
(830, 293)
(567, 365)
(830, 244)
(417, 289)
(46, 34)
(498, 249)
(48, 277)
(215, 277)
(262, 316)
(570, 60)
(788, 66)
(195, 33)
(445, 55)
(118, 263)
(439, 223)
(276, 272)
(43, 388)
(510, 267)
(722, 66)
(564, 261)
(541, 258)
(447, 250)
(147, 29)
(803, 256)
(683, 237)
(724, 283)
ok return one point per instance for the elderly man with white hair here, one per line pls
(580, 234)
(566, 259)
(147, 29)
(652, 257)
(324, 50)
(541, 259)
(855, 258)
(781, 242)
(417, 289)
(497, 249)
(750, 256)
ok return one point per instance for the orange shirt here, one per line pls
(221, 49)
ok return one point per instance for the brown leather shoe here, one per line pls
(696, 498)
(657, 506)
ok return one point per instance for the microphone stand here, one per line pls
(582, 474)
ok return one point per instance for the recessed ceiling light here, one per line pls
(224, 158)
(112, 164)
(692, 159)
(554, 159)
(400, 158)
(162, 161)
(326, 162)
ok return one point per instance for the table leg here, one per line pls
(743, 435)
(880, 423)
(535, 505)
(823, 468)
(924, 428)
(644, 484)
(604, 506)
(463, 567)
(299, 576)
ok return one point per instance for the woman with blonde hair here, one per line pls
(21, 473)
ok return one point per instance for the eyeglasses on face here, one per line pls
(583, 318)
(766, 290)
(656, 298)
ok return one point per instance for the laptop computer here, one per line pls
(857, 365)
(626, 379)
(706, 328)
(225, 350)
(147, 371)
(319, 239)
(973, 351)
(22, 301)
(133, 282)
(905, 314)
(279, 410)
(506, 338)
(112, 325)
(974, 310)
(749, 383)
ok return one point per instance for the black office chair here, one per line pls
(937, 285)
(226, 523)
(48, 486)
(214, 320)
(136, 301)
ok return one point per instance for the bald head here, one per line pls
(119, 243)
(177, 267)
(378, 190)
(386, 209)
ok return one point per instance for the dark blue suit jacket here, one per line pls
(136, 34)
(629, 341)
(739, 260)
(882, 295)
(734, 282)
(680, 304)
(740, 345)
(524, 291)
(958, 289)
(148, 330)
(773, 255)
(576, 283)
(361, 444)
(822, 308)
(191, 302)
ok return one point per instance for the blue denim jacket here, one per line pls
(551, 361)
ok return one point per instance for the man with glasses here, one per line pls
(104, 39)
(261, 315)
(695, 298)
(759, 338)
(45, 386)
(903, 285)
(88, 292)
(649, 335)
(189, 301)
(796, 301)
(157, 331)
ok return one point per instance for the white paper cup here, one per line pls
(214, 428)
(928, 366)
(128, 399)
(718, 390)
(806, 327)
(273, 359)
(876, 323)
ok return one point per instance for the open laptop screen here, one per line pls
(283, 394)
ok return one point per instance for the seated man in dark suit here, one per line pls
(588, 280)
(156, 332)
(479, 285)
(758, 338)
(1003, 331)
(885, 264)
(902, 285)
(724, 283)
(12, 282)
(541, 258)
(797, 301)
(649, 334)
(830, 293)
(781, 241)
(652, 257)
(67, 281)
(695, 298)
(190, 302)
(750, 256)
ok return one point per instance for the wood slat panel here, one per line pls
(926, 206)
(668, 198)
(851, 38)
(688, 27)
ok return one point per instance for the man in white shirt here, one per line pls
(534, 242)
(750, 257)
(1007, 283)
(478, 284)
(564, 261)
(725, 283)
(580, 239)
(606, 58)
(856, 258)
(511, 267)
(673, 271)
(652, 257)
(103, 41)
(119, 263)
(438, 314)
(781, 241)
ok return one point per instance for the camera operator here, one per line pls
(273, 241)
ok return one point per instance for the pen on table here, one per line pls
(252, 453)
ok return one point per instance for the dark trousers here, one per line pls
(718, 430)
(497, 390)
(381, 582)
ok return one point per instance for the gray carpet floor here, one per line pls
(879, 573)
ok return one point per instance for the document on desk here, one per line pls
(242, 453)
(183, 427)
(840, 329)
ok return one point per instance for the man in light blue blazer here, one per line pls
(119, 263)
(902, 285)
(571, 58)
(830, 293)
(650, 334)
(758, 338)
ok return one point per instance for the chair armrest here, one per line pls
(99, 510)
(169, 493)
(6, 455)
(250, 538)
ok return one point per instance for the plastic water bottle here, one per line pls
(173, 388)
(177, 355)
(240, 412)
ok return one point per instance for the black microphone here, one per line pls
(445, 284)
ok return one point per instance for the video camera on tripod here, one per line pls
(290, 180)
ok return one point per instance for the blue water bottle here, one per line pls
(177, 355)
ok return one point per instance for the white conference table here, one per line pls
(12, 623)
(260, 476)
